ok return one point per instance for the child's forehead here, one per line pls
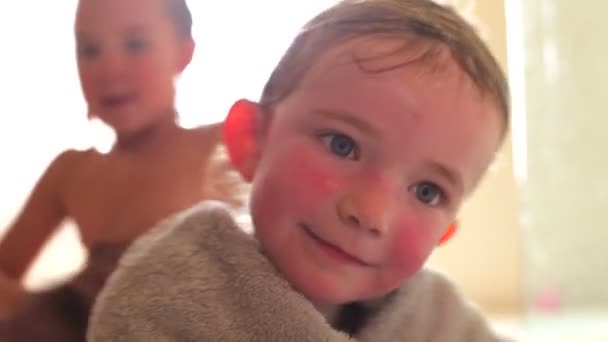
(382, 51)
(374, 57)
(119, 12)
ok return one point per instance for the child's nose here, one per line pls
(369, 206)
(111, 65)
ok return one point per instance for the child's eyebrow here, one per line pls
(453, 177)
(135, 29)
(350, 119)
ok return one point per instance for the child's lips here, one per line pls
(114, 101)
(334, 251)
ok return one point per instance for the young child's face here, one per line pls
(360, 173)
(128, 55)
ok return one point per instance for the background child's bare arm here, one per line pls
(39, 218)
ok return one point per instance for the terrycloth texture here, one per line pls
(201, 278)
(61, 314)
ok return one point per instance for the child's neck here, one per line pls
(148, 137)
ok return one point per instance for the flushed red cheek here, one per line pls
(294, 184)
(87, 82)
(149, 69)
(313, 178)
(412, 245)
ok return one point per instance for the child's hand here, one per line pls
(12, 295)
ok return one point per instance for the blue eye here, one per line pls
(135, 45)
(340, 145)
(428, 193)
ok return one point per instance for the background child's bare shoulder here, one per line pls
(222, 182)
(71, 163)
(71, 160)
(207, 136)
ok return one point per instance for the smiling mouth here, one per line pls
(333, 251)
(116, 101)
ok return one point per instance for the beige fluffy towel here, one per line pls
(201, 278)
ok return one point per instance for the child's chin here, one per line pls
(341, 291)
(328, 291)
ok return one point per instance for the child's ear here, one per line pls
(242, 136)
(448, 233)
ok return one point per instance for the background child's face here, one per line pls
(128, 55)
(361, 173)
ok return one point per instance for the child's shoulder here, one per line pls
(206, 226)
(72, 157)
(223, 182)
(206, 134)
(431, 304)
(200, 141)
(63, 166)
(183, 237)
